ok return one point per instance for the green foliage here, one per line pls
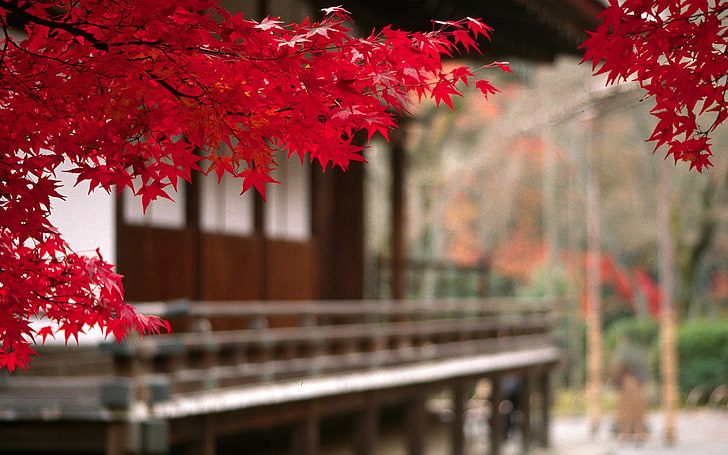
(544, 282)
(703, 354)
(643, 331)
(570, 335)
(702, 348)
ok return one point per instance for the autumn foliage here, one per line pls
(677, 51)
(140, 94)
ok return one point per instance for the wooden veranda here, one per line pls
(292, 364)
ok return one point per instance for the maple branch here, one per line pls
(72, 29)
(28, 89)
(657, 25)
(60, 300)
(11, 7)
(76, 65)
(177, 93)
(96, 43)
(5, 44)
(717, 121)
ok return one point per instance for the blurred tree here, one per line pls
(676, 50)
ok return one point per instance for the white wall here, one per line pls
(223, 209)
(288, 206)
(85, 220)
(160, 213)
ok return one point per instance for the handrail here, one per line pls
(339, 307)
(324, 337)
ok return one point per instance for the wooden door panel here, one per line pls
(157, 264)
(232, 268)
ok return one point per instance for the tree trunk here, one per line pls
(593, 298)
(668, 315)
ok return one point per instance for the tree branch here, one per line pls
(13, 8)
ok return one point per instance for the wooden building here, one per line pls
(230, 368)
(307, 241)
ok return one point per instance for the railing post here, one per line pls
(416, 421)
(459, 398)
(367, 428)
(546, 398)
(116, 439)
(155, 437)
(525, 399)
(306, 436)
(205, 441)
(119, 393)
(496, 419)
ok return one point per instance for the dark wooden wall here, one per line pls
(157, 264)
(339, 227)
(163, 264)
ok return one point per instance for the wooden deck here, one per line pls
(231, 367)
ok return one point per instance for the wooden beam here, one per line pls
(71, 436)
(256, 395)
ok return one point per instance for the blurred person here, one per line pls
(510, 407)
(630, 369)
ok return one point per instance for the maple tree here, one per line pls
(137, 93)
(678, 51)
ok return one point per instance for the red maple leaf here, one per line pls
(134, 94)
(676, 51)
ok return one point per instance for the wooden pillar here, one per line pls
(367, 430)
(459, 399)
(398, 222)
(416, 424)
(155, 437)
(525, 408)
(496, 419)
(338, 226)
(116, 439)
(205, 441)
(306, 434)
(209, 436)
(546, 399)
(263, 9)
(193, 204)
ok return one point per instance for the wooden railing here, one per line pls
(230, 367)
(226, 344)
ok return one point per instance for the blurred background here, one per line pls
(498, 195)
